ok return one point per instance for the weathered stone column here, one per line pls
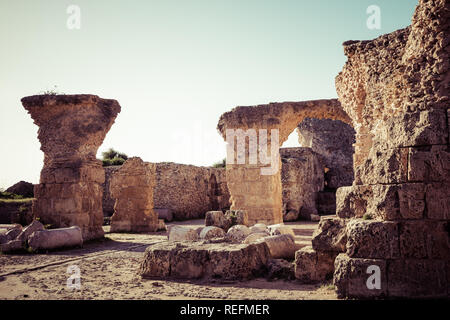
(71, 129)
(132, 186)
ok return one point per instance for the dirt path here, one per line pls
(108, 271)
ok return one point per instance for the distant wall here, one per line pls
(188, 191)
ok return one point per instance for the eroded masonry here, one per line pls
(71, 129)
(377, 161)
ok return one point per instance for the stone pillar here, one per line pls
(397, 212)
(132, 187)
(71, 129)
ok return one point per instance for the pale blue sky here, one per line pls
(174, 66)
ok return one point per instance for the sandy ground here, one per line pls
(108, 270)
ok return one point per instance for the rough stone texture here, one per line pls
(211, 232)
(254, 237)
(16, 212)
(332, 140)
(330, 235)
(187, 191)
(204, 260)
(277, 229)
(55, 238)
(395, 89)
(108, 201)
(132, 187)
(22, 188)
(11, 246)
(71, 129)
(261, 195)
(280, 269)
(281, 246)
(190, 191)
(238, 233)
(302, 177)
(217, 219)
(164, 214)
(312, 266)
(259, 228)
(182, 233)
(29, 230)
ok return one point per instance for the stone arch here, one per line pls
(260, 194)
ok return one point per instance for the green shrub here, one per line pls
(220, 164)
(113, 158)
(9, 195)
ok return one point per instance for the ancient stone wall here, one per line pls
(190, 191)
(260, 194)
(132, 186)
(396, 90)
(302, 177)
(333, 141)
(108, 201)
(71, 129)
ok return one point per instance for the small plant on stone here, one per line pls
(367, 216)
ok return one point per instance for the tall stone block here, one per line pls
(132, 187)
(71, 129)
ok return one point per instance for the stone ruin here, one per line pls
(394, 219)
(397, 214)
(132, 187)
(186, 191)
(311, 174)
(261, 195)
(71, 129)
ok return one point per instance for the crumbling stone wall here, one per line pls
(396, 90)
(71, 129)
(188, 191)
(333, 141)
(302, 177)
(108, 201)
(261, 195)
(132, 186)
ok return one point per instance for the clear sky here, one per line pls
(174, 66)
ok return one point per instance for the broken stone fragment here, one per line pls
(330, 235)
(280, 228)
(13, 233)
(211, 232)
(238, 233)
(204, 260)
(28, 230)
(56, 238)
(281, 246)
(259, 228)
(215, 218)
(372, 239)
(182, 233)
(11, 246)
(291, 215)
(313, 266)
(254, 237)
(280, 269)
